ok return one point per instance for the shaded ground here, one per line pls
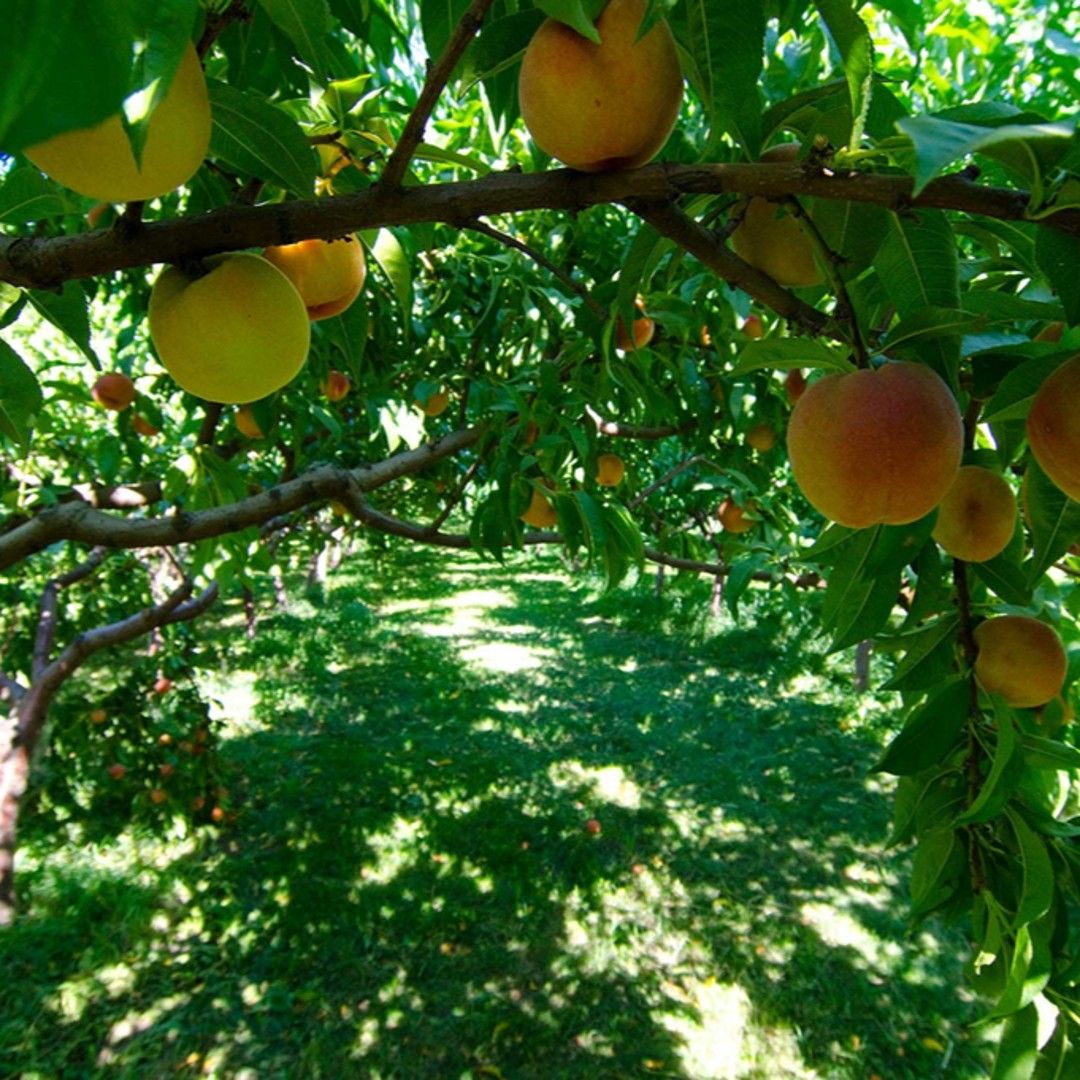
(412, 888)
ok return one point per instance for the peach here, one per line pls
(761, 438)
(977, 516)
(733, 518)
(1020, 658)
(609, 470)
(141, 426)
(246, 423)
(436, 404)
(328, 274)
(794, 385)
(335, 386)
(1053, 427)
(644, 328)
(607, 106)
(540, 513)
(770, 237)
(114, 391)
(97, 161)
(753, 327)
(876, 446)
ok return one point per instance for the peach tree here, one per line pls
(800, 314)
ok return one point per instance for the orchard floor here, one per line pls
(412, 888)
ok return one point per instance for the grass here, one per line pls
(412, 889)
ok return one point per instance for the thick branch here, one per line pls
(437, 77)
(45, 262)
(76, 521)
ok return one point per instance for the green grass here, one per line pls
(410, 889)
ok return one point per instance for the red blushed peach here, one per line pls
(114, 391)
(1053, 427)
(644, 328)
(328, 274)
(876, 446)
(733, 518)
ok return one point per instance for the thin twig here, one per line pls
(636, 431)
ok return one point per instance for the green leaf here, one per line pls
(500, 45)
(929, 733)
(931, 322)
(740, 574)
(1042, 753)
(258, 139)
(782, 353)
(1029, 149)
(918, 267)
(1038, 892)
(929, 656)
(857, 600)
(306, 24)
(1054, 517)
(20, 396)
(1004, 775)
(1005, 578)
(854, 230)
(726, 43)
(1058, 255)
(1013, 398)
(1018, 1049)
(857, 50)
(933, 871)
(579, 15)
(25, 196)
(67, 311)
(387, 251)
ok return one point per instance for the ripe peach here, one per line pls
(328, 274)
(162, 685)
(157, 796)
(98, 162)
(98, 716)
(606, 106)
(609, 470)
(733, 518)
(794, 385)
(1020, 658)
(1053, 427)
(977, 516)
(540, 513)
(876, 446)
(141, 426)
(753, 327)
(335, 386)
(771, 238)
(246, 423)
(116, 771)
(436, 404)
(113, 390)
(761, 438)
(233, 335)
(593, 827)
(644, 328)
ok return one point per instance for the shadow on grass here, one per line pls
(492, 825)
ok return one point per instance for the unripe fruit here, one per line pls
(644, 328)
(116, 771)
(794, 385)
(977, 516)
(246, 423)
(98, 162)
(436, 404)
(733, 518)
(606, 106)
(771, 238)
(761, 438)
(1020, 658)
(328, 274)
(609, 470)
(1053, 427)
(335, 386)
(113, 390)
(876, 446)
(540, 514)
(235, 334)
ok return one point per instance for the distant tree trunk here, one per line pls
(658, 581)
(717, 596)
(280, 593)
(249, 614)
(862, 665)
(14, 774)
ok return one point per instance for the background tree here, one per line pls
(496, 355)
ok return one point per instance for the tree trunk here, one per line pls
(249, 614)
(658, 583)
(14, 775)
(717, 596)
(862, 665)
(280, 594)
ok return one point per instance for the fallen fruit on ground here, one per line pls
(876, 446)
(335, 386)
(761, 438)
(770, 237)
(233, 334)
(436, 404)
(977, 516)
(328, 274)
(644, 328)
(607, 106)
(732, 517)
(113, 390)
(1053, 427)
(1020, 658)
(246, 423)
(540, 513)
(609, 470)
(98, 161)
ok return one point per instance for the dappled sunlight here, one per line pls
(608, 783)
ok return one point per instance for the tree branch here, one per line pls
(47, 262)
(635, 431)
(75, 521)
(46, 628)
(437, 77)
